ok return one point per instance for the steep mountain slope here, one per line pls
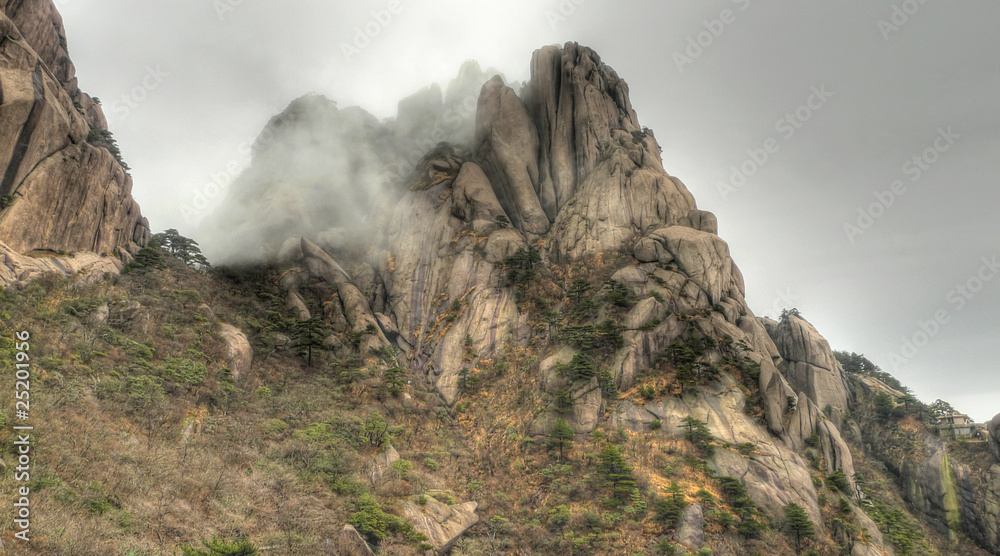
(518, 239)
(61, 188)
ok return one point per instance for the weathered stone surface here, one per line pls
(993, 428)
(507, 147)
(578, 104)
(475, 200)
(951, 496)
(100, 315)
(875, 543)
(350, 543)
(239, 353)
(809, 364)
(550, 378)
(691, 529)
(442, 524)
(65, 194)
(433, 266)
(773, 475)
(587, 404)
(702, 256)
(382, 464)
(17, 269)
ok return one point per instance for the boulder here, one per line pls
(350, 543)
(993, 427)
(547, 369)
(702, 256)
(382, 464)
(100, 315)
(239, 353)
(691, 529)
(443, 524)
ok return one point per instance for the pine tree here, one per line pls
(613, 467)
(669, 508)
(394, 379)
(580, 368)
(578, 290)
(561, 436)
(697, 432)
(184, 248)
(309, 335)
(798, 524)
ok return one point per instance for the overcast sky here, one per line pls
(839, 96)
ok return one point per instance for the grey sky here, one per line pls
(200, 79)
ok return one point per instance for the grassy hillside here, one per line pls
(146, 443)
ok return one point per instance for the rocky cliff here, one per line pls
(61, 188)
(559, 175)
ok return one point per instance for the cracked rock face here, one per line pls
(809, 363)
(63, 191)
(443, 524)
(994, 440)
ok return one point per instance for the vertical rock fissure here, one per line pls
(7, 186)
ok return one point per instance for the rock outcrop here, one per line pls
(17, 270)
(61, 188)
(239, 353)
(443, 524)
(809, 364)
(350, 543)
(773, 474)
(993, 428)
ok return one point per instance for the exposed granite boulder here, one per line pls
(350, 543)
(239, 353)
(443, 524)
(702, 256)
(382, 464)
(63, 189)
(691, 529)
(809, 364)
(993, 427)
(87, 267)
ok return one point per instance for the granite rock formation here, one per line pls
(61, 188)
